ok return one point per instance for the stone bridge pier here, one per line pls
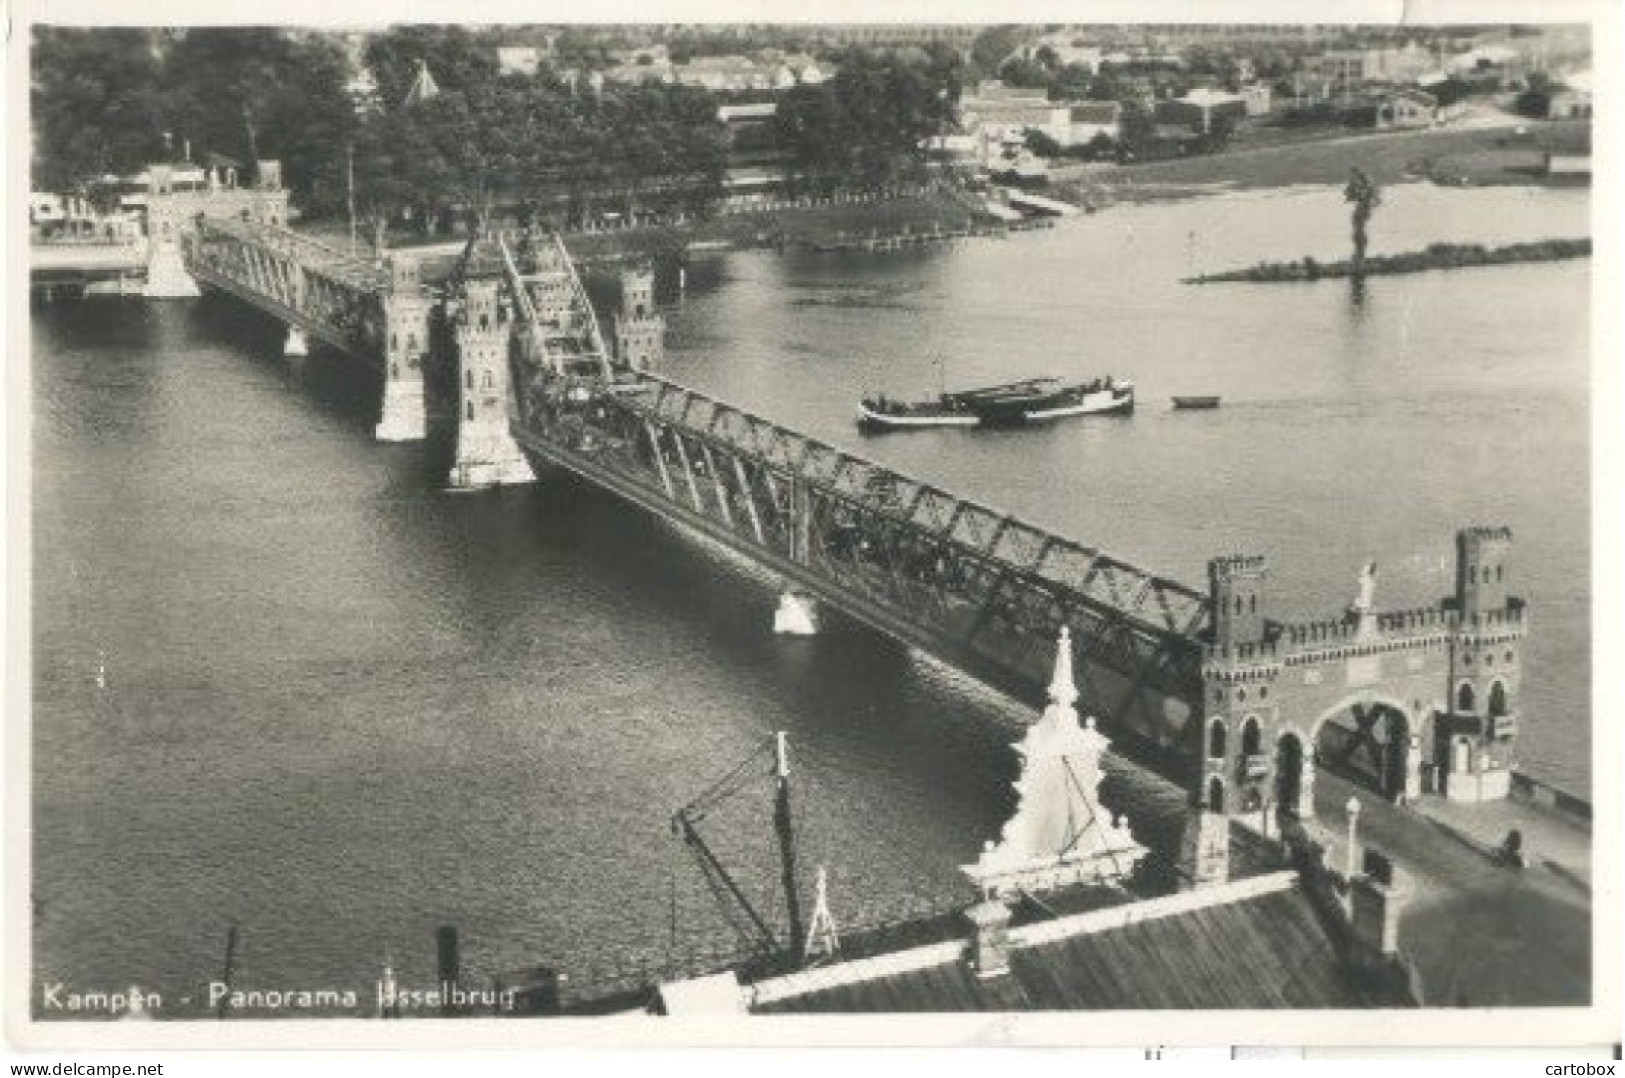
(486, 453)
(1409, 703)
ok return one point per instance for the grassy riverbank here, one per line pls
(1387, 157)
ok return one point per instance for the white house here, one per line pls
(1256, 98)
(1568, 164)
(45, 208)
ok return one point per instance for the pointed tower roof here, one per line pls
(423, 85)
(1062, 690)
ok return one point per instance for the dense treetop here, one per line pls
(870, 125)
(111, 101)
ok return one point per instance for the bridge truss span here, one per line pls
(306, 283)
(975, 586)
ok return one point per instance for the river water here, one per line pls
(283, 681)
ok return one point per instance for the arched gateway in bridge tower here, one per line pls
(1407, 703)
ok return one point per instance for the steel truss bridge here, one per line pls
(976, 587)
(311, 286)
(1156, 661)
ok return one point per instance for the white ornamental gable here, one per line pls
(1060, 833)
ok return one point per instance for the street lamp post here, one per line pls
(1352, 807)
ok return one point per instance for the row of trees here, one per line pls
(869, 127)
(111, 101)
(569, 154)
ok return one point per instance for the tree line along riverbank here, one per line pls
(945, 210)
(1434, 257)
(806, 224)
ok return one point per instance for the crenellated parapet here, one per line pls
(1237, 566)
(1241, 660)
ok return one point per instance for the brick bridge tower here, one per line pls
(640, 331)
(1409, 702)
(486, 452)
(1473, 741)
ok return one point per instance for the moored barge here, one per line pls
(1034, 400)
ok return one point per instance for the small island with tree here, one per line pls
(1364, 196)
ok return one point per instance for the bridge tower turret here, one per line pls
(486, 452)
(1236, 589)
(1473, 747)
(406, 351)
(1483, 557)
(640, 331)
(1241, 712)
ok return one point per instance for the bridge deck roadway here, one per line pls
(1480, 933)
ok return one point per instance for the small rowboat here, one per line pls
(1190, 404)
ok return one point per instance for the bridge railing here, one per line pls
(351, 271)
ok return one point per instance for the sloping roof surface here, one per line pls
(1264, 952)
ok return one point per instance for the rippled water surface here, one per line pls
(283, 681)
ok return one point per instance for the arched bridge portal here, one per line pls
(1405, 702)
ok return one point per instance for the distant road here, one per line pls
(1480, 934)
(86, 257)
